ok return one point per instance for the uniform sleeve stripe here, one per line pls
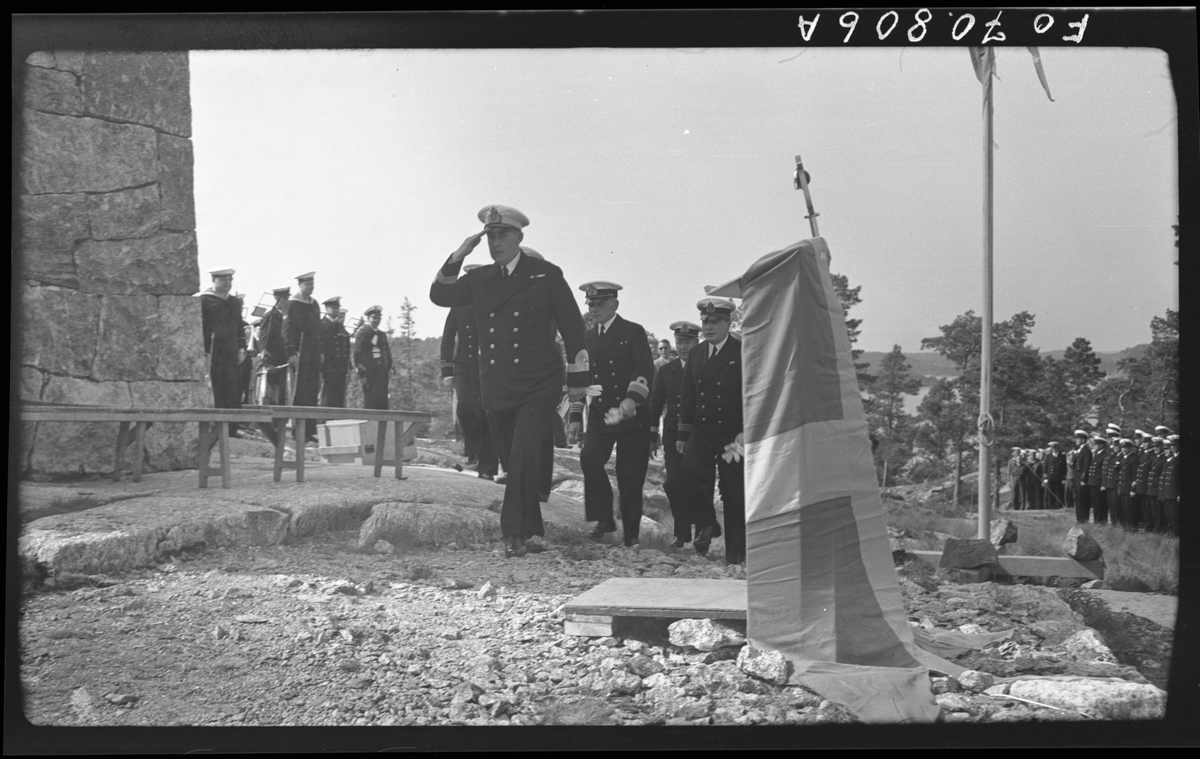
(686, 427)
(639, 386)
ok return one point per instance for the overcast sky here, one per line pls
(669, 169)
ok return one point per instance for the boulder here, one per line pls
(50, 226)
(53, 91)
(125, 213)
(69, 154)
(1100, 699)
(59, 330)
(178, 341)
(1081, 546)
(407, 524)
(975, 681)
(1087, 645)
(175, 183)
(164, 264)
(968, 554)
(705, 634)
(771, 666)
(145, 88)
(127, 348)
(1004, 531)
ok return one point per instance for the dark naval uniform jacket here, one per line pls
(711, 398)
(302, 322)
(623, 367)
(460, 349)
(665, 395)
(516, 317)
(221, 319)
(335, 347)
(270, 336)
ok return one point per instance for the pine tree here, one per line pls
(887, 418)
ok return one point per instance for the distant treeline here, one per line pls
(927, 365)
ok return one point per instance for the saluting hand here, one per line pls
(467, 246)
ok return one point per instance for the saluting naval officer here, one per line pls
(665, 397)
(335, 352)
(302, 335)
(460, 369)
(710, 431)
(224, 340)
(520, 302)
(373, 359)
(619, 416)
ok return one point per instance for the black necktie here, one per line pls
(601, 330)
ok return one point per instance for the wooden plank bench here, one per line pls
(214, 430)
(405, 427)
(593, 612)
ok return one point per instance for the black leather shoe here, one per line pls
(631, 543)
(485, 476)
(472, 461)
(500, 479)
(679, 543)
(704, 540)
(602, 529)
(514, 547)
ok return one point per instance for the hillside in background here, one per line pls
(927, 364)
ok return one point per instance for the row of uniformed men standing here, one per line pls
(291, 336)
(1133, 484)
(517, 306)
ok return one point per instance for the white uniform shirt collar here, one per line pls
(608, 324)
(512, 264)
(716, 348)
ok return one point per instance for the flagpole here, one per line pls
(985, 356)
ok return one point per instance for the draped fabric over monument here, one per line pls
(821, 586)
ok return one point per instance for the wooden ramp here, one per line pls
(592, 613)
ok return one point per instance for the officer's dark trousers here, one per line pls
(308, 390)
(674, 488)
(633, 458)
(1054, 495)
(227, 391)
(1099, 502)
(1083, 502)
(1018, 494)
(333, 389)
(1170, 508)
(275, 393)
(1152, 510)
(1069, 495)
(702, 452)
(521, 434)
(1132, 505)
(1115, 514)
(375, 389)
(477, 436)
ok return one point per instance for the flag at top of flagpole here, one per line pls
(984, 61)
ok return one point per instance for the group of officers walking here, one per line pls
(500, 351)
(292, 355)
(1131, 482)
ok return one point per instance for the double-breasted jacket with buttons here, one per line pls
(665, 395)
(335, 347)
(622, 366)
(711, 398)
(516, 317)
(460, 344)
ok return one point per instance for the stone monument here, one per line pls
(107, 249)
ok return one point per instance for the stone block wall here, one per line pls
(107, 244)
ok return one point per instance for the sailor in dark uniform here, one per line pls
(619, 416)
(665, 397)
(373, 359)
(1168, 489)
(335, 355)
(1108, 481)
(710, 431)
(224, 341)
(1097, 493)
(1126, 483)
(1079, 477)
(1156, 520)
(302, 336)
(460, 369)
(520, 302)
(1053, 476)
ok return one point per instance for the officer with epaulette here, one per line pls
(335, 353)
(224, 341)
(520, 302)
(665, 397)
(302, 335)
(1079, 476)
(1168, 488)
(710, 431)
(460, 370)
(373, 359)
(619, 416)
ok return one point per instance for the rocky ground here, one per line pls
(321, 632)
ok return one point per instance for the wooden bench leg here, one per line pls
(280, 443)
(298, 430)
(119, 455)
(380, 446)
(398, 448)
(139, 448)
(223, 443)
(206, 443)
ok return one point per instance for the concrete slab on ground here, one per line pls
(662, 597)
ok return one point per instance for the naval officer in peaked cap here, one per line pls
(664, 396)
(520, 302)
(710, 431)
(460, 369)
(619, 416)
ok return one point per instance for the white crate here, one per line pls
(345, 441)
